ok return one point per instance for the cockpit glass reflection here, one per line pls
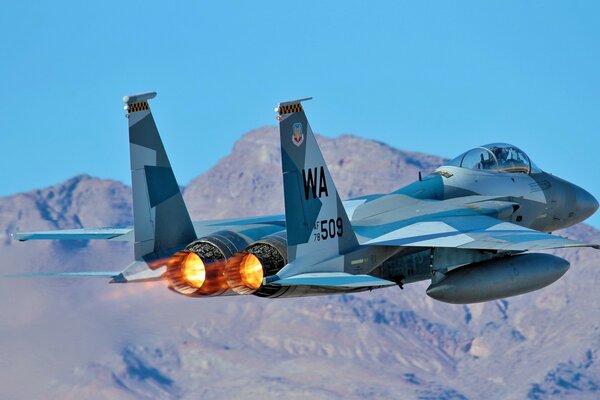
(496, 157)
(480, 158)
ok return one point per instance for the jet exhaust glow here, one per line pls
(251, 271)
(189, 275)
(244, 273)
(193, 270)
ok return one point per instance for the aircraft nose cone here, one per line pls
(586, 203)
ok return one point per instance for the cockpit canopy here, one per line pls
(496, 157)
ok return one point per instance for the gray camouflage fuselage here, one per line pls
(539, 201)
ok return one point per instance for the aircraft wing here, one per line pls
(90, 274)
(465, 232)
(119, 234)
(125, 234)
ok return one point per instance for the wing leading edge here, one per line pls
(125, 234)
(117, 234)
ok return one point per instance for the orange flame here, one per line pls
(188, 275)
(251, 271)
(244, 273)
(193, 270)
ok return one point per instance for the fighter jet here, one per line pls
(469, 227)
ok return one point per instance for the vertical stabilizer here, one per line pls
(316, 221)
(161, 220)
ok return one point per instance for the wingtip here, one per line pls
(18, 236)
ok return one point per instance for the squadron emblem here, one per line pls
(297, 135)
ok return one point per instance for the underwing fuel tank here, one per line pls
(495, 279)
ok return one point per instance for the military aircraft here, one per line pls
(468, 227)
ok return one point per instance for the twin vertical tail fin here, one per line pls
(317, 224)
(162, 223)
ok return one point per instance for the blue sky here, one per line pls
(438, 77)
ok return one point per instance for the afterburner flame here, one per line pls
(193, 270)
(244, 273)
(251, 271)
(189, 275)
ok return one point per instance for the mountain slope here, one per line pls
(84, 338)
(248, 181)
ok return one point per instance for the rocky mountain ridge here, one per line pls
(84, 338)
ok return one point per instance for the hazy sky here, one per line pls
(438, 77)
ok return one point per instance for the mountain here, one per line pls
(68, 339)
(248, 181)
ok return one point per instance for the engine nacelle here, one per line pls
(245, 271)
(199, 269)
(495, 279)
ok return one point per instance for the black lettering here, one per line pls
(324, 229)
(331, 228)
(322, 183)
(309, 183)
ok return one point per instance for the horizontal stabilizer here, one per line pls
(137, 271)
(118, 234)
(66, 275)
(333, 279)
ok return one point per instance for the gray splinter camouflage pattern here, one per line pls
(316, 221)
(161, 220)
